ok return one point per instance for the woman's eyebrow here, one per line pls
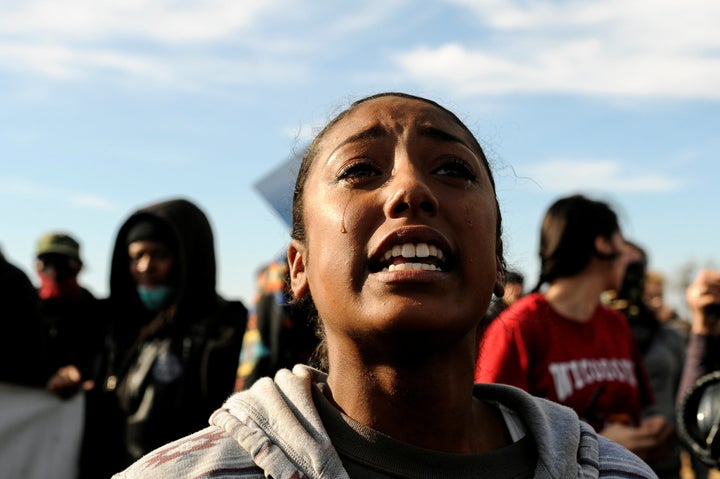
(442, 135)
(375, 131)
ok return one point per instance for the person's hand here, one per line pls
(704, 291)
(65, 382)
(651, 439)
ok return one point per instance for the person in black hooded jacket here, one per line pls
(173, 342)
(23, 355)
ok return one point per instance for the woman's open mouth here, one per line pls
(411, 257)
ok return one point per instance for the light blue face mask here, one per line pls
(155, 298)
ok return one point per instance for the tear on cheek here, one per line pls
(343, 228)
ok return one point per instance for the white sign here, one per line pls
(40, 434)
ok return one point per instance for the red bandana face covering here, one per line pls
(53, 287)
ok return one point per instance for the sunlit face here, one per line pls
(151, 263)
(400, 218)
(653, 295)
(57, 266)
(513, 292)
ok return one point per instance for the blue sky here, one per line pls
(106, 106)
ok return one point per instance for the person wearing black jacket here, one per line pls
(22, 350)
(173, 342)
(72, 325)
(663, 355)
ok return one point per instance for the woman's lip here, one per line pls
(409, 277)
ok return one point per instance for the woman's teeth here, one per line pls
(412, 267)
(412, 250)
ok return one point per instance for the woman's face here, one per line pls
(400, 220)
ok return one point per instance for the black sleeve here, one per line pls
(22, 350)
(222, 352)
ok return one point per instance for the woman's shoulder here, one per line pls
(566, 445)
(525, 310)
(615, 461)
(201, 454)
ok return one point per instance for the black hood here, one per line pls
(194, 265)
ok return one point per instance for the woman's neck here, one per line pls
(576, 297)
(427, 406)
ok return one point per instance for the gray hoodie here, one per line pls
(274, 430)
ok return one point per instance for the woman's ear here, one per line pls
(604, 249)
(499, 289)
(602, 246)
(296, 261)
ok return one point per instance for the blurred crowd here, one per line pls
(163, 350)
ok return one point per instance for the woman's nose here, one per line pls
(410, 193)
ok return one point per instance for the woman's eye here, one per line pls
(457, 168)
(358, 171)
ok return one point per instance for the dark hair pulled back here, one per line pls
(568, 233)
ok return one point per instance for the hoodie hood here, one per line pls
(194, 267)
(278, 424)
(274, 429)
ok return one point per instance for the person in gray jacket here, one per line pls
(396, 250)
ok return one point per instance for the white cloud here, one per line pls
(24, 190)
(629, 48)
(303, 133)
(363, 19)
(617, 47)
(564, 175)
(146, 40)
(169, 43)
(61, 62)
(162, 20)
(191, 73)
(93, 202)
(19, 187)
